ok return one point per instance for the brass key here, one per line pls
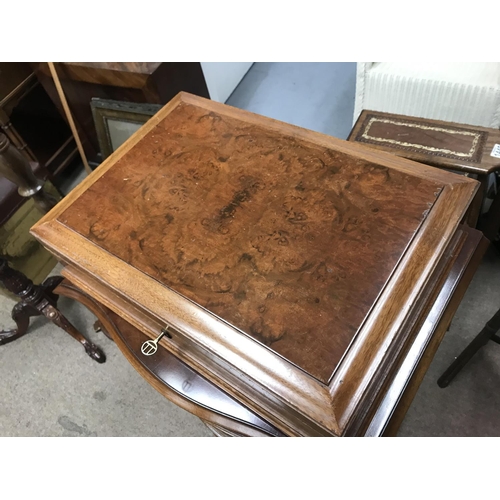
(151, 346)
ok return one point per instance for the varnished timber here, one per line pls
(231, 217)
(117, 74)
(69, 116)
(172, 378)
(281, 217)
(415, 361)
(408, 370)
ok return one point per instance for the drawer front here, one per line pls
(171, 377)
(177, 343)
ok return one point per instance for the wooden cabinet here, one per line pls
(293, 271)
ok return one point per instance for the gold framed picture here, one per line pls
(117, 121)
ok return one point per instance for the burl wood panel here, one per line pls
(288, 241)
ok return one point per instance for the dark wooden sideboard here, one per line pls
(308, 280)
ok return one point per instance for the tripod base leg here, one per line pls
(58, 319)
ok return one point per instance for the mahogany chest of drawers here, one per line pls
(306, 279)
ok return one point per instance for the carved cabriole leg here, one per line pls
(103, 322)
(21, 316)
(58, 319)
(38, 300)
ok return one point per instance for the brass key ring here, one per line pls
(149, 347)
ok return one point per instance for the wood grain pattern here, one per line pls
(266, 231)
(248, 370)
(405, 385)
(117, 74)
(395, 400)
(172, 378)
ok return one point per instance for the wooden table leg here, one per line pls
(474, 212)
(489, 332)
(490, 225)
(38, 300)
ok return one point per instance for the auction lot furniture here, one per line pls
(270, 279)
(31, 121)
(467, 149)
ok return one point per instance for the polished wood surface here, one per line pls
(264, 230)
(225, 417)
(172, 378)
(453, 146)
(255, 374)
(415, 361)
(186, 388)
(119, 74)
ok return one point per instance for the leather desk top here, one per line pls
(455, 146)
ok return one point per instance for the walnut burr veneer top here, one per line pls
(289, 241)
(294, 269)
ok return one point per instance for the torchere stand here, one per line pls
(36, 300)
